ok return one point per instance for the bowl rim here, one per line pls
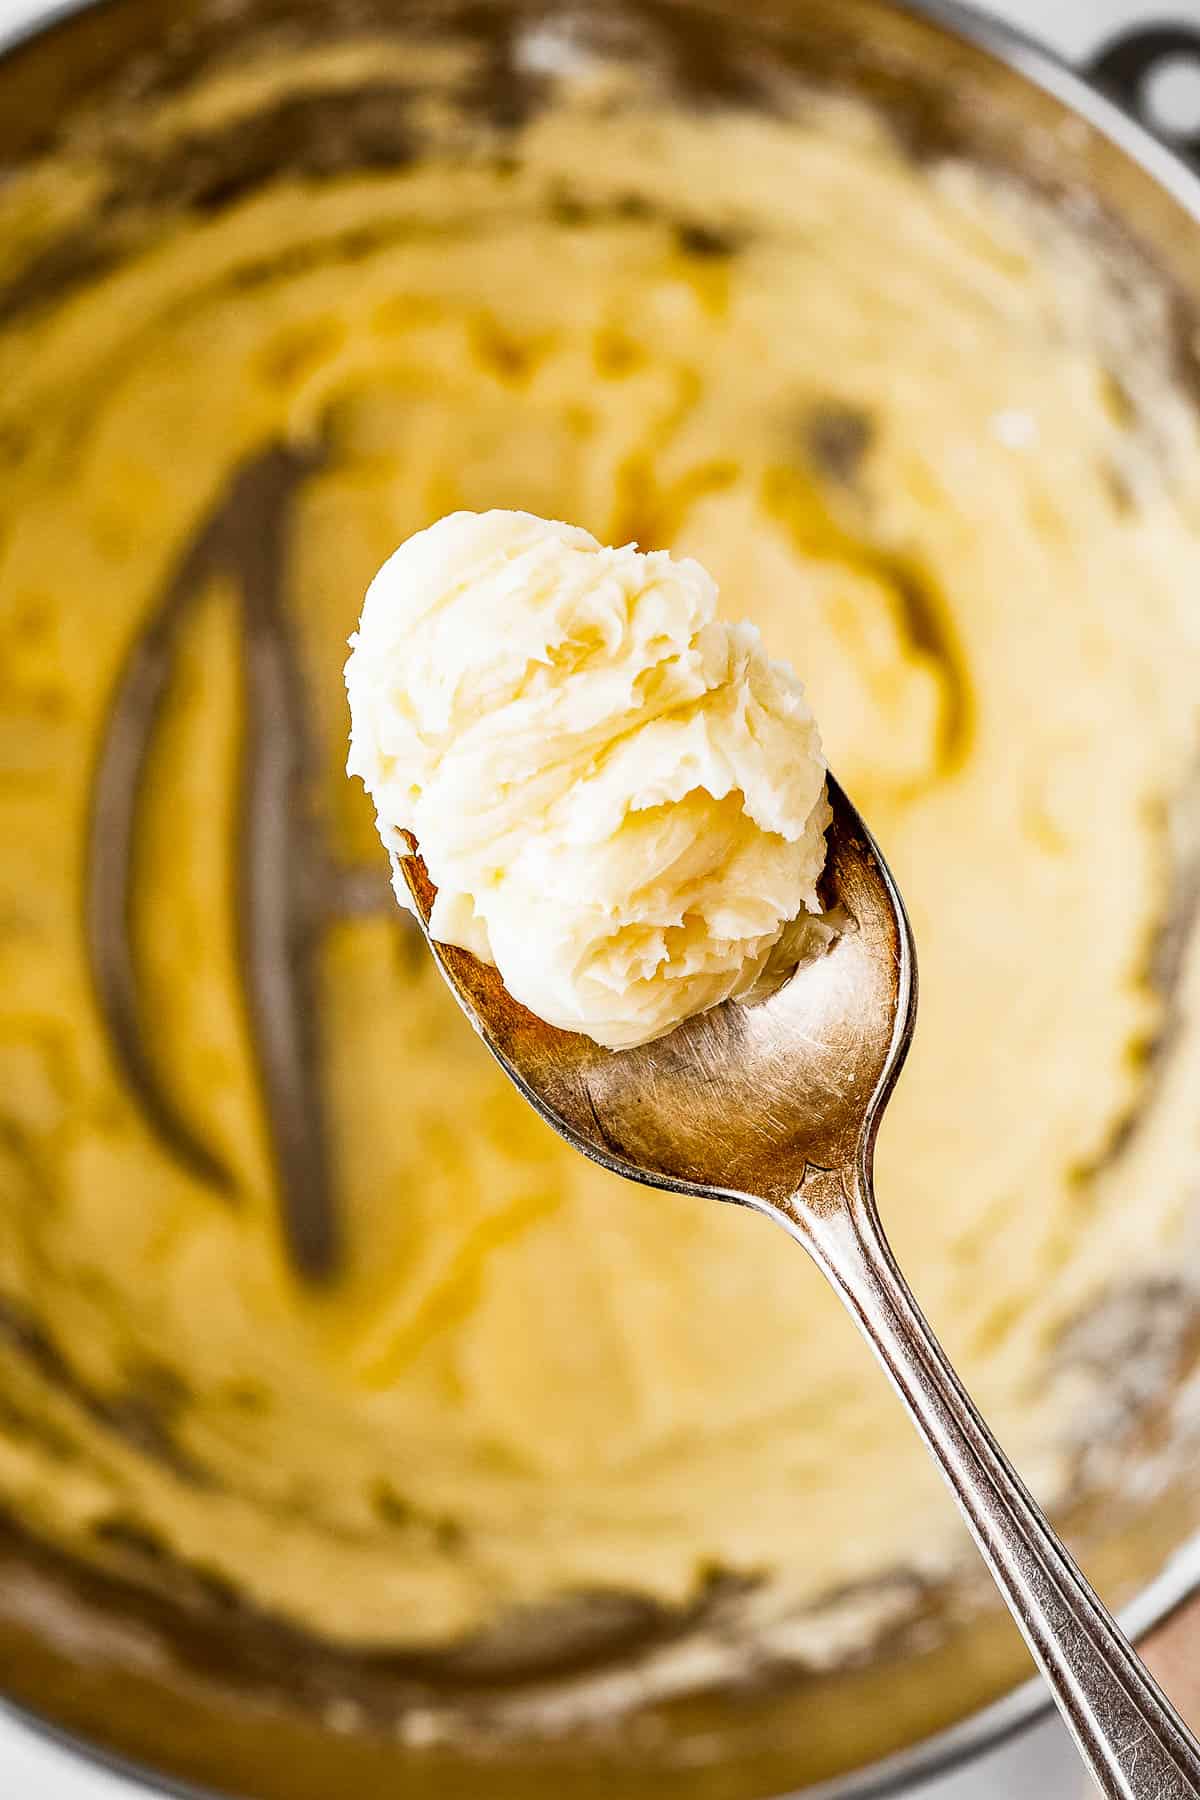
(989, 1727)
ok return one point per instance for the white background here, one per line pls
(1040, 1766)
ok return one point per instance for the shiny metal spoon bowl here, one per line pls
(775, 1106)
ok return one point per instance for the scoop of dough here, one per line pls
(619, 797)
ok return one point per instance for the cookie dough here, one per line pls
(619, 797)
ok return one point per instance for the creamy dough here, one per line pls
(619, 797)
(900, 417)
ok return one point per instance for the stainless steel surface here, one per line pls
(1002, 93)
(771, 1105)
(775, 1107)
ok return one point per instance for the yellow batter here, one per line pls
(902, 420)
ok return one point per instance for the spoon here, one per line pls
(775, 1106)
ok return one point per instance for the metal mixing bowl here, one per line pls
(201, 1691)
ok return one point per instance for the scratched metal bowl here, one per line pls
(191, 1694)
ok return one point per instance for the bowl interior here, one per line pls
(192, 1683)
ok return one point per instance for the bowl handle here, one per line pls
(1123, 69)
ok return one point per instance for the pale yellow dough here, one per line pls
(901, 420)
(618, 796)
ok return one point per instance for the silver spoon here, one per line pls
(776, 1106)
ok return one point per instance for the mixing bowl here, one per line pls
(181, 1681)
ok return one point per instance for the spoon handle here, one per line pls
(1131, 1738)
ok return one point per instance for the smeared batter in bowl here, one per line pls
(294, 1291)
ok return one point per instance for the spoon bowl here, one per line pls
(716, 1107)
(775, 1105)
